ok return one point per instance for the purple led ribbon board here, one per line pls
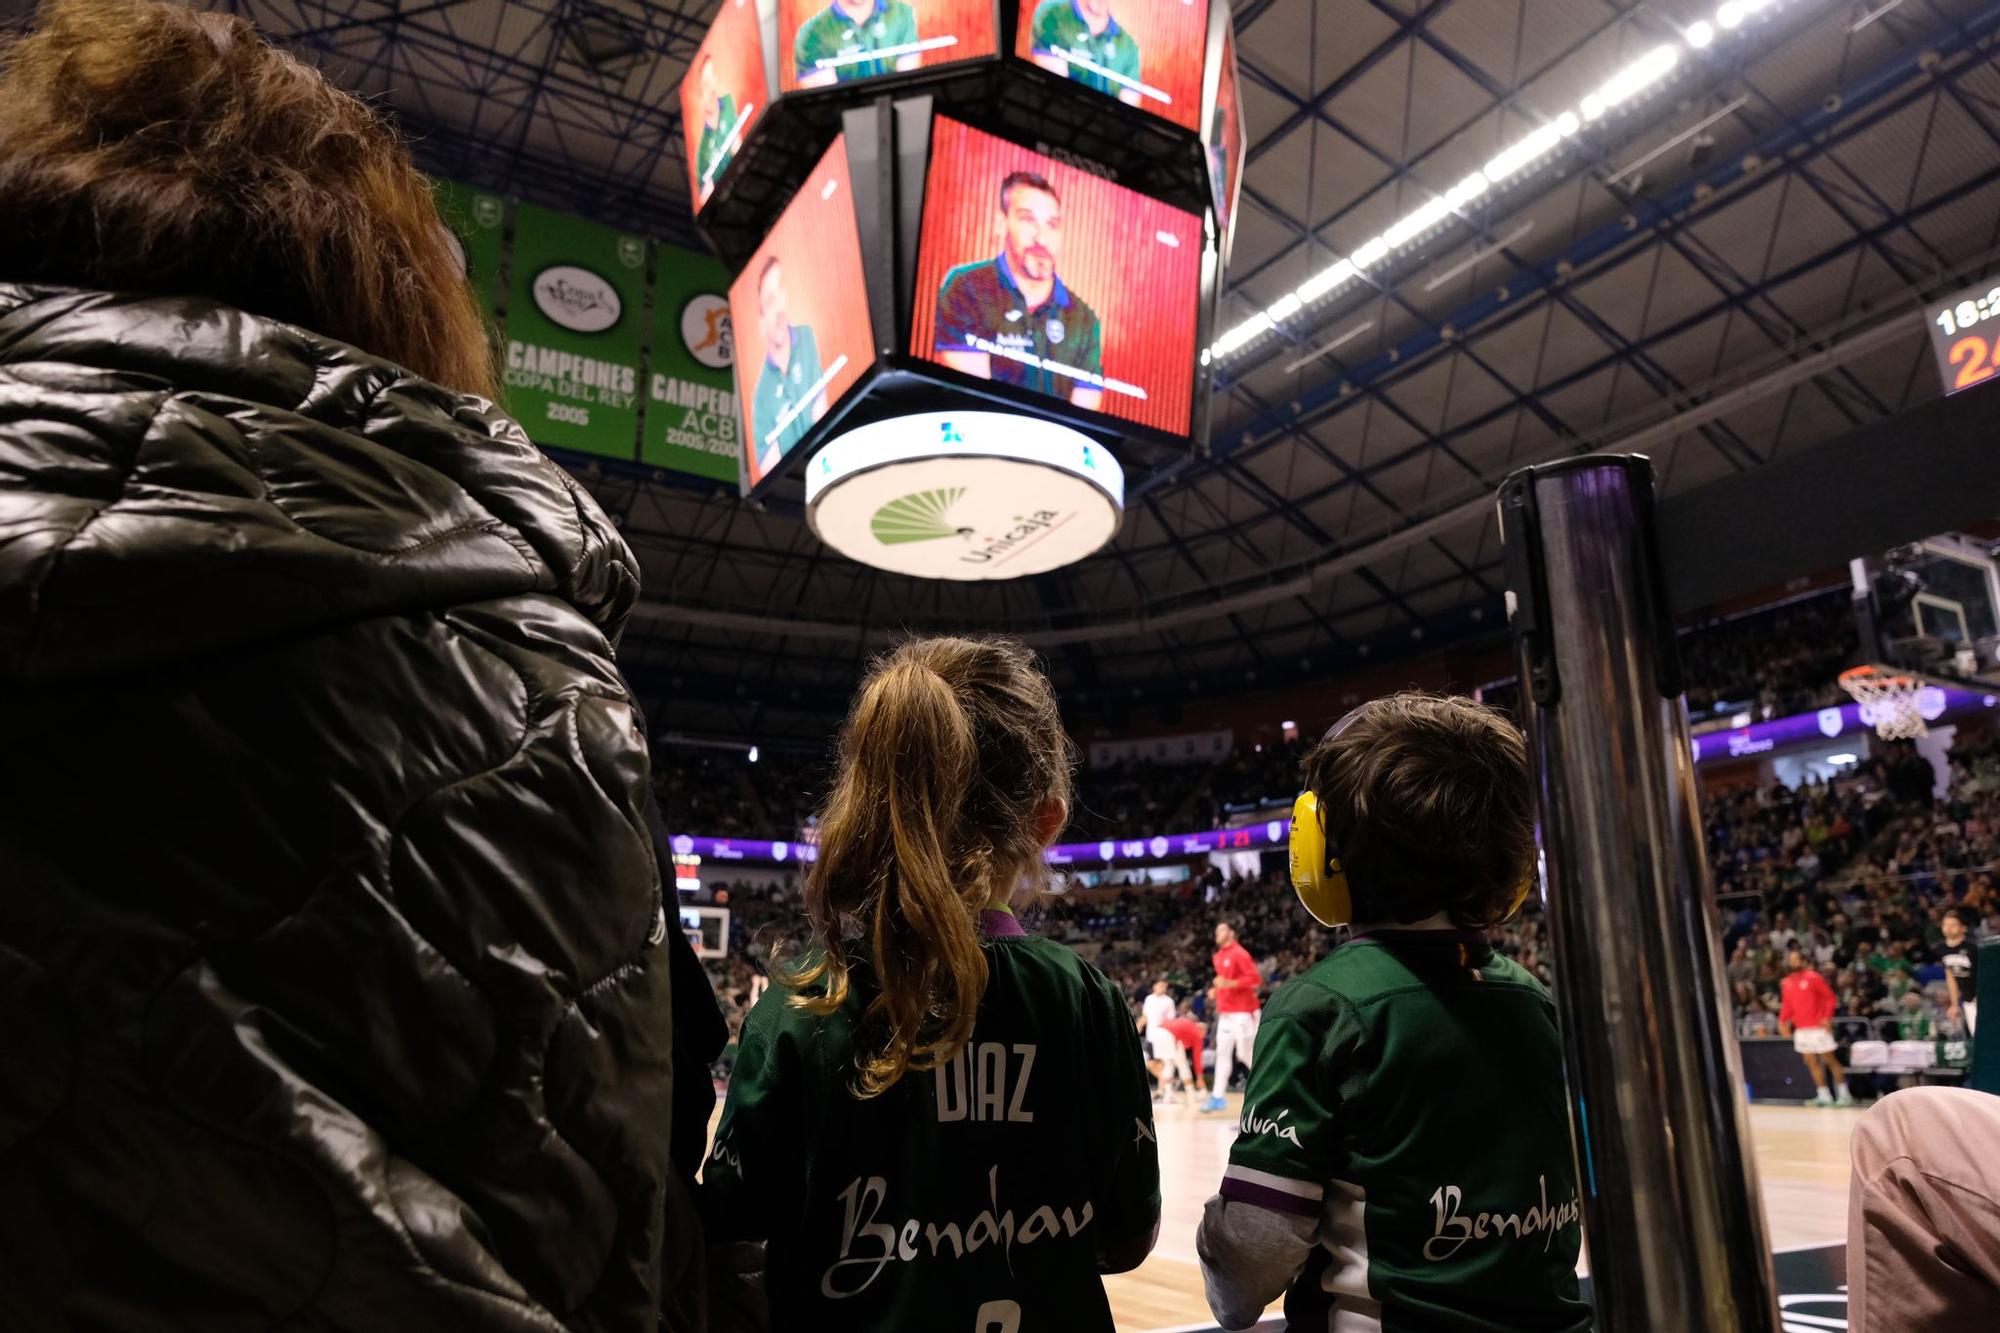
(1829, 723)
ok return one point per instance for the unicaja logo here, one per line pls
(922, 517)
(576, 299)
(952, 434)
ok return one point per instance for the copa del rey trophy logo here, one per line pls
(574, 298)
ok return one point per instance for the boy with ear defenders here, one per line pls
(1404, 1158)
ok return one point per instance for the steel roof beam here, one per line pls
(1344, 80)
(1732, 446)
(1405, 170)
(1986, 179)
(1601, 246)
(663, 119)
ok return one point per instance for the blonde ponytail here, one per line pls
(953, 749)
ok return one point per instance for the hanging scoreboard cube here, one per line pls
(948, 215)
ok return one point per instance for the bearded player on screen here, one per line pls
(1010, 318)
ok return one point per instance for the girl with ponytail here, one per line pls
(937, 1122)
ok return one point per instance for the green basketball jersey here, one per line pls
(1059, 29)
(831, 35)
(965, 1199)
(782, 396)
(1408, 1093)
(710, 160)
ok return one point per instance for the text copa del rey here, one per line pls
(557, 372)
(708, 419)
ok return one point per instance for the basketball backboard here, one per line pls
(1937, 606)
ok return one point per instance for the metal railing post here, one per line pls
(1671, 1212)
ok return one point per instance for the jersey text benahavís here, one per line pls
(970, 1197)
(1409, 1091)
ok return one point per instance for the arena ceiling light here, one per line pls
(1517, 157)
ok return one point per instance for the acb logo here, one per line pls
(706, 331)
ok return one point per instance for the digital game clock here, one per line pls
(1965, 328)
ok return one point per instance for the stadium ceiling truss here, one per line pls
(1728, 270)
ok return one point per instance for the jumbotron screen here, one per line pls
(1225, 137)
(1145, 53)
(722, 94)
(825, 42)
(800, 313)
(1036, 274)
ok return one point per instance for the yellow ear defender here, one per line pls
(1316, 875)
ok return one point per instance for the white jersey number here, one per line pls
(998, 1317)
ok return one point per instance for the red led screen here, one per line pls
(1072, 286)
(722, 94)
(1225, 138)
(1148, 53)
(800, 314)
(824, 42)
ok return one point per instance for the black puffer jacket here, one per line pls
(333, 992)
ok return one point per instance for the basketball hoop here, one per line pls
(1890, 701)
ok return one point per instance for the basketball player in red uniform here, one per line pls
(1188, 1034)
(1178, 1049)
(1806, 1016)
(1236, 1008)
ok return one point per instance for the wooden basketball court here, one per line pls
(1801, 1164)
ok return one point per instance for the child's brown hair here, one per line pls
(1427, 806)
(952, 764)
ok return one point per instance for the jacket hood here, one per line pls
(178, 477)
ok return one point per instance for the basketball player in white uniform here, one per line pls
(1154, 1016)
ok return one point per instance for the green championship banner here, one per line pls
(478, 224)
(575, 333)
(691, 423)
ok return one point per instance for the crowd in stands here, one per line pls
(1856, 871)
(1780, 660)
(1134, 797)
(722, 793)
(1266, 776)
(1857, 874)
(702, 791)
